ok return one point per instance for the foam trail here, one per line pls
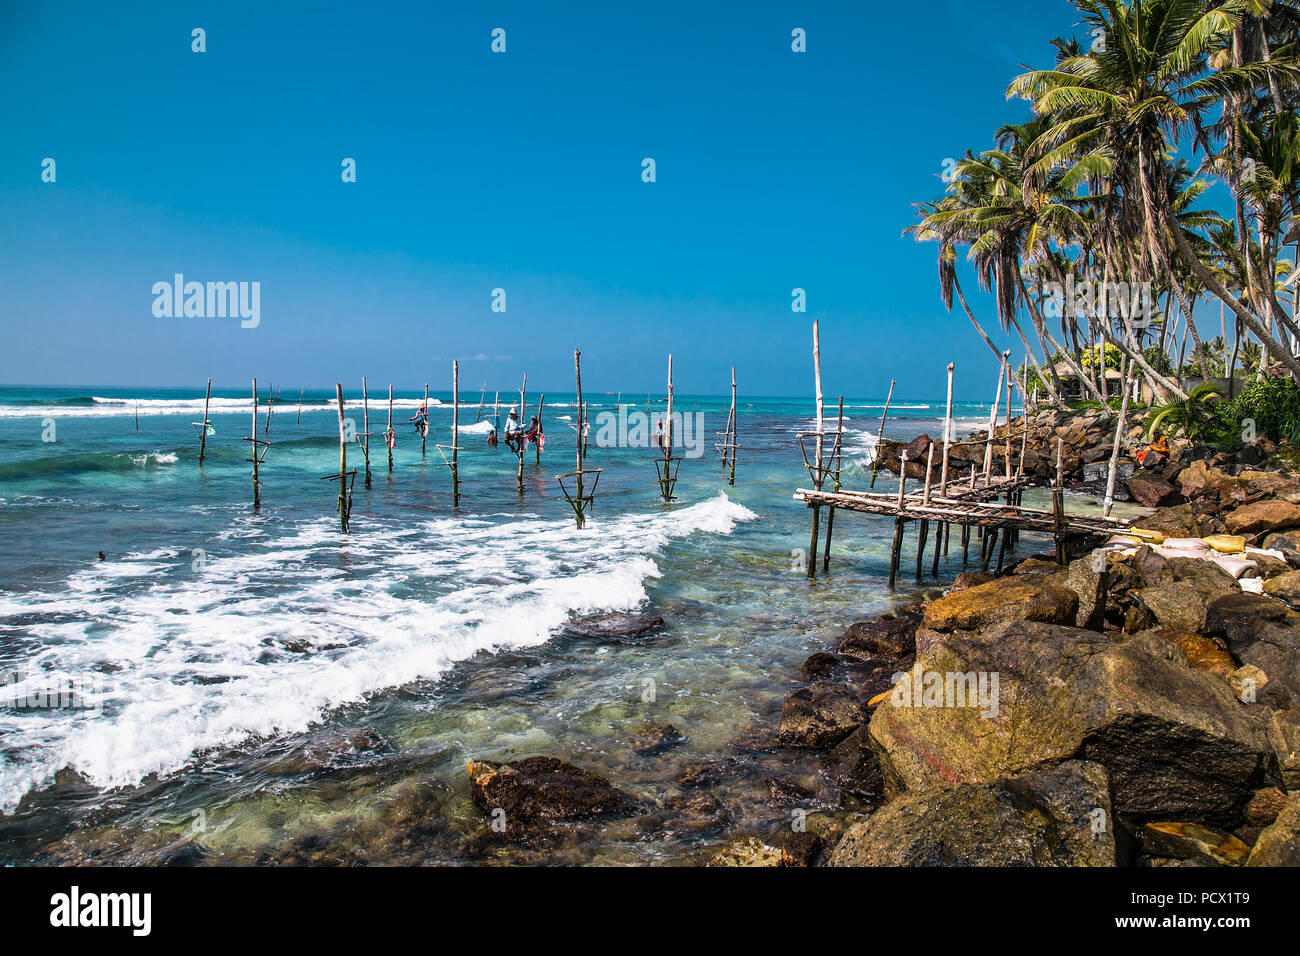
(242, 648)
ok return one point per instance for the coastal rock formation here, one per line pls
(889, 636)
(1016, 598)
(654, 738)
(543, 788)
(618, 628)
(1059, 817)
(1175, 741)
(1152, 491)
(1192, 841)
(1262, 517)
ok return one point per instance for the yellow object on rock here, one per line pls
(1144, 537)
(1226, 543)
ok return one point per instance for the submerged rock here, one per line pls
(819, 715)
(619, 628)
(543, 788)
(889, 636)
(654, 738)
(1058, 817)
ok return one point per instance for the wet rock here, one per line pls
(544, 788)
(747, 851)
(654, 738)
(1279, 844)
(801, 848)
(820, 715)
(1017, 598)
(1263, 516)
(710, 771)
(820, 666)
(1152, 491)
(1284, 736)
(852, 766)
(889, 636)
(1185, 841)
(1288, 543)
(1186, 588)
(1238, 616)
(619, 628)
(788, 793)
(697, 811)
(1058, 817)
(1265, 805)
(1176, 742)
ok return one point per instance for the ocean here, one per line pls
(257, 680)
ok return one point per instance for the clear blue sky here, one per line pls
(476, 170)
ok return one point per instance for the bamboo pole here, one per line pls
(830, 512)
(482, 395)
(1109, 502)
(1058, 503)
(523, 412)
(301, 393)
(257, 460)
(734, 442)
(365, 445)
(537, 445)
(993, 419)
(580, 506)
(455, 434)
(1006, 453)
(880, 434)
(947, 435)
(424, 430)
(343, 508)
(270, 406)
(666, 481)
(389, 434)
(203, 432)
(817, 468)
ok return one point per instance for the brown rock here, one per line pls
(1152, 491)
(819, 715)
(1279, 845)
(1193, 841)
(1265, 805)
(1178, 521)
(1286, 588)
(886, 637)
(1201, 653)
(654, 738)
(543, 788)
(1263, 516)
(1016, 598)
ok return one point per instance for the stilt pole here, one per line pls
(880, 434)
(203, 430)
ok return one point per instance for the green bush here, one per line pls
(1273, 404)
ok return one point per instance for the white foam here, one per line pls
(414, 600)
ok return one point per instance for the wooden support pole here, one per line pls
(830, 512)
(734, 443)
(519, 451)
(203, 431)
(929, 469)
(880, 434)
(1058, 503)
(482, 395)
(389, 434)
(1119, 436)
(993, 420)
(455, 433)
(902, 477)
(365, 426)
(301, 393)
(1006, 451)
(579, 507)
(257, 459)
(343, 505)
(537, 444)
(947, 437)
(424, 426)
(920, 545)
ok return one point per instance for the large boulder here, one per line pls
(1186, 588)
(1152, 491)
(820, 715)
(1261, 517)
(1089, 580)
(1057, 817)
(1279, 844)
(1176, 742)
(1016, 598)
(1260, 631)
(619, 628)
(889, 636)
(539, 789)
(1178, 521)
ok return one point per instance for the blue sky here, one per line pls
(476, 171)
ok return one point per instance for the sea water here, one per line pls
(262, 678)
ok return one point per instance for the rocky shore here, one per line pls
(1138, 707)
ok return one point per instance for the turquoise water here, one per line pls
(261, 681)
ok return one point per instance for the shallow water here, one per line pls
(267, 688)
